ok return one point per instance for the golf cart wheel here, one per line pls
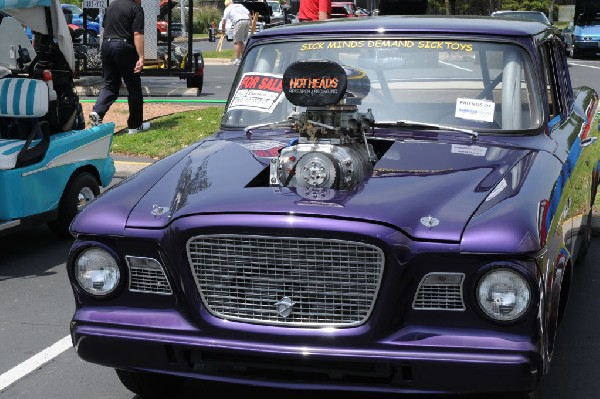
(196, 81)
(81, 189)
(149, 385)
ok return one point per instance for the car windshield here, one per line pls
(275, 7)
(73, 9)
(588, 20)
(476, 85)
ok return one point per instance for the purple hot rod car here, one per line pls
(391, 204)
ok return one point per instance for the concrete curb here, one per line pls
(125, 169)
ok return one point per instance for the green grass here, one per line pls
(227, 53)
(169, 133)
(560, 24)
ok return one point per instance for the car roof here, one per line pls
(434, 24)
(528, 15)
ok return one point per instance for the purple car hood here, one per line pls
(413, 181)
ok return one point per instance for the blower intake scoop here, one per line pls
(331, 150)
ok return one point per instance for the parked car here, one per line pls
(584, 38)
(526, 15)
(74, 16)
(277, 16)
(390, 205)
(162, 24)
(51, 165)
(345, 9)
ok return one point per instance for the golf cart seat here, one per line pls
(24, 138)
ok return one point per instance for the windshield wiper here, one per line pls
(248, 129)
(414, 124)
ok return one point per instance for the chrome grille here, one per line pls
(147, 275)
(259, 279)
(440, 291)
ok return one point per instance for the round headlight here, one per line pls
(97, 272)
(503, 294)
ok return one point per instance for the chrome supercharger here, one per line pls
(331, 150)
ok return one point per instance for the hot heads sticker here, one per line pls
(314, 83)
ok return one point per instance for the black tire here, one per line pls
(80, 190)
(196, 81)
(149, 385)
(575, 53)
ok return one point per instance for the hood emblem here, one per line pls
(429, 221)
(285, 307)
(159, 210)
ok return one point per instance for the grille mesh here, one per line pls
(329, 282)
(151, 280)
(440, 291)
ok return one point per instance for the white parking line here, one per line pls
(35, 361)
(584, 65)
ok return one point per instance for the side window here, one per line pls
(554, 78)
(564, 77)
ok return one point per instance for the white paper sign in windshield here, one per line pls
(475, 110)
(258, 92)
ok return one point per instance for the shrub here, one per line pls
(203, 16)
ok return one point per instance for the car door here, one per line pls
(570, 119)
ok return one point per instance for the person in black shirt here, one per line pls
(122, 57)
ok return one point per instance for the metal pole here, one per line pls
(183, 21)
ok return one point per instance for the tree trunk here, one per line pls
(551, 10)
(447, 7)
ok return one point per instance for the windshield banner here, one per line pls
(258, 92)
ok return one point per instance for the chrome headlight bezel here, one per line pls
(505, 274)
(108, 266)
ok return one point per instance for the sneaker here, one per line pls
(143, 126)
(95, 118)
(236, 61)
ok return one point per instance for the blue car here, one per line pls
(585, 39)
(51, 165)
(74, 16)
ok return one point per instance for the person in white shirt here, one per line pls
(240, 20)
